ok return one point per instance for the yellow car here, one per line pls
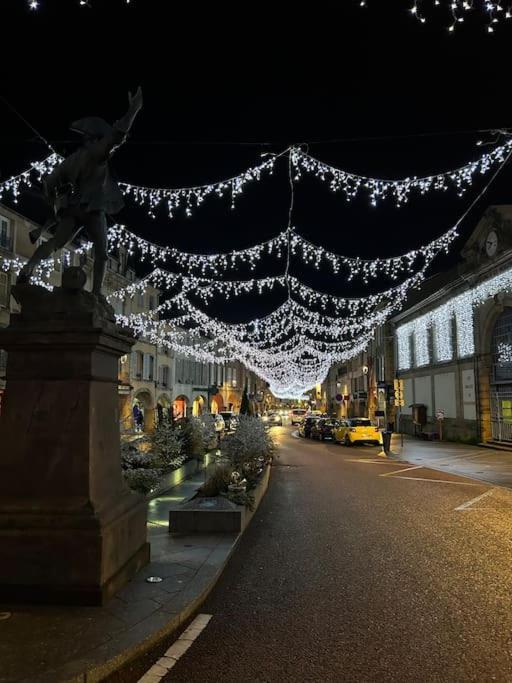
(357, 430)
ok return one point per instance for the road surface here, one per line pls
(356, 568)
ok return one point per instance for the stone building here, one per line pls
(454, 345)
(151, 376)
(451, 345)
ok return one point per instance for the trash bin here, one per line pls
(386, 441)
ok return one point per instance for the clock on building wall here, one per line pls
(491, 243)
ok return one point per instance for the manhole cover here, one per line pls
(5, 615)
(154, 579)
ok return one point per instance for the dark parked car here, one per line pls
(306, 425)
(324, 429)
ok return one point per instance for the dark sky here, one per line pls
(391, 97)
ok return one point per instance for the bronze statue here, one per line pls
(83, 192)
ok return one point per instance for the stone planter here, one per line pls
(172, 479)
(218, 514)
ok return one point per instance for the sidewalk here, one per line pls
(51, 644)
(486, 464)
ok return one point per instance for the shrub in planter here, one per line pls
(217, 483)
(132, 458)
(167, 445)
(209, 434)
(143, 480)
(250, 447)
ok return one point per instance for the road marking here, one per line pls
(471, 502)
(438, 481)
(368, 462)
(406, 469)
(177, 650)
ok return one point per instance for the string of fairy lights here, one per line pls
(492, 11)
(294, 346)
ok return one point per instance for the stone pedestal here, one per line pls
(70, 529)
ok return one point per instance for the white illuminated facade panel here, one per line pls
(403, 336)
(465, 327)
(421, 350)
(442, 327)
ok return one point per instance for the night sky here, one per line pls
(369, 90)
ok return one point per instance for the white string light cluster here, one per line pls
(352, 184)
(206, 264)
(504, 353)
(493, 11)
(41, 275)
(310, 254)
(191, 197)
(34, 4)
(459, 309)
(36, 171)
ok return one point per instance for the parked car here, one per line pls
(306, 425)
(324, 428)
(273, 419)
(357, 430)
(230, 420)
(297, 415)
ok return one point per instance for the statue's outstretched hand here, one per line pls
(135, 100)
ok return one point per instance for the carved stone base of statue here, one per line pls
(70, 529)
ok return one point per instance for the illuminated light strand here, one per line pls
(206, 264)
(191, 197)
(494, 11)
(504, 353)
(151, 197)
(42, 273)
(310, 254)
(36, 172)
(351, 184)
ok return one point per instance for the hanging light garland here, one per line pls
(311, 254)
(293, 347)
(35, 173)
(339, 180)
(493, 11)
(191, 197)
(351, 184)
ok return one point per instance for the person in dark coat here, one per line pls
(83, 192)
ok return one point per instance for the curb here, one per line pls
(98, 673)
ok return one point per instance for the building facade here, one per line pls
(454, 347)
(153, 378)
(451, 346)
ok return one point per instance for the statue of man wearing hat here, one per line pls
(83, 191)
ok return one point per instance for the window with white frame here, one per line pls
(5, 233)
(4, 290)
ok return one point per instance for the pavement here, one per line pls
(45, 644)
(486, 464)
(358, 567)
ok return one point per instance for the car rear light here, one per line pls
(377, 429)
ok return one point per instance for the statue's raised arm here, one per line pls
(83, 191)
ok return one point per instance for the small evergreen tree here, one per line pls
(245, 407)
(166, 442)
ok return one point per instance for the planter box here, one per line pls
(216, 515)
(172, 479)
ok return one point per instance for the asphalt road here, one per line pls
(347, 575)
